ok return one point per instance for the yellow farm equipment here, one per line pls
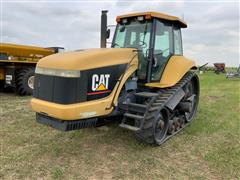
(17, 65)
(143, 78)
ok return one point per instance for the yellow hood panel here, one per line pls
(88, 59)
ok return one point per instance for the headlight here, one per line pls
(57, 72)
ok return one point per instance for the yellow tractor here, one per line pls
(143, 77)
(17, 65)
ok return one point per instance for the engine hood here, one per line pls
(88, 59)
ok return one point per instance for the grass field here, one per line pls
(207, 149)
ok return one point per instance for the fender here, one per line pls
(175, 69)
(132, 67)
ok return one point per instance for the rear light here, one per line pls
(148, 16)
(118, 20)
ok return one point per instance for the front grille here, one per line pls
(60, 90)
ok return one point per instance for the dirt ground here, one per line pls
(207, 149)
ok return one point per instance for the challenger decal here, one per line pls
(100, 84)
(101, 81)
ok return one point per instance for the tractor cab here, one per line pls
(156, 37)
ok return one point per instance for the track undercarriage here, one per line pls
(158, 115)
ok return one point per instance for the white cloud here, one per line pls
(212, 34)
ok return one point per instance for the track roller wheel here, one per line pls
(177, 123)
(25, 81)
(182, 122)
(171, 128)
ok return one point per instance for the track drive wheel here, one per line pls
(155, 129)
(192, 96)
(25, 81)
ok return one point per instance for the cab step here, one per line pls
(133, 116)
(146, 94)
(137, 108)
(137, 105)
(129, 127)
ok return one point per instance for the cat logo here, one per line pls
(100, 82)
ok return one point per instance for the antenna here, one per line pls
(182, 16)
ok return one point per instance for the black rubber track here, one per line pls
(146, 134)
(22, 77)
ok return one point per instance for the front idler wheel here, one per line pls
(154, 129)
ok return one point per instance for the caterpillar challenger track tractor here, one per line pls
(143, 78)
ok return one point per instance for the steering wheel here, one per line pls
(116, 44)
(130, 46)
(155, 60)
(143, 45)
(162, 51)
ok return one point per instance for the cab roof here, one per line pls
(149, 15)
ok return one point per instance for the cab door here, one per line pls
(162, 49)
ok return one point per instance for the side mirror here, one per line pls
(108, 34)
(122, 29)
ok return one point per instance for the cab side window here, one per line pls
(177, 41)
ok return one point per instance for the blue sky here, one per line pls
(212, 34)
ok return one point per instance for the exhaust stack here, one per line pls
(103, 34)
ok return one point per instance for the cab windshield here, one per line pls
(134, 34)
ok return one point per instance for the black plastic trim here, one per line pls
(65, 125)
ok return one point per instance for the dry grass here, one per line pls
(208, 149)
